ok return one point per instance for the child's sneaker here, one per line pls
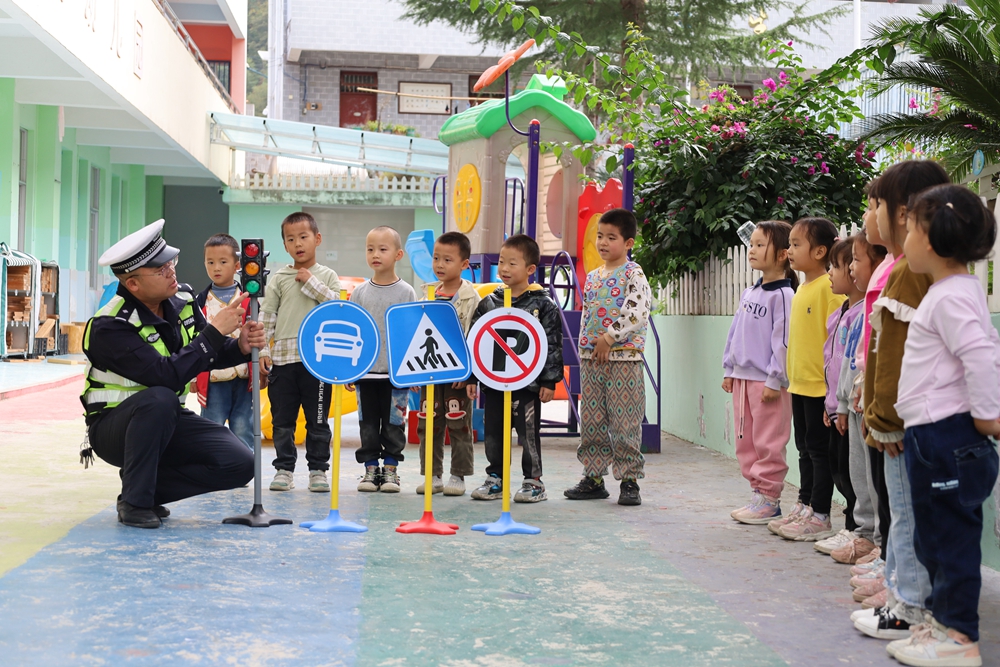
(531, 491)
(437, 486)
(850, 553)
(830, 544)
(455, 486)
(283, 481)
(371, 481)
(317, 482)
(858, 614)
(867, 590)
(876, 554)
(777, 524)
(390, 480)
(807, 529)
(878, 601)
(864, 568)
(761, 509)
(937, 645)
(491, 489)
(629, 494)
(886, 624)
(587, 488)
(862, 579)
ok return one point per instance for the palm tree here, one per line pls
(955, 53)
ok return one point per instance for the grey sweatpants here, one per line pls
(866, 506)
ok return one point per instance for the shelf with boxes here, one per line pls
(29, 305)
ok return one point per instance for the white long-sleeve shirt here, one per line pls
(951, 362)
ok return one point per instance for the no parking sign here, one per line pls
(508, 349)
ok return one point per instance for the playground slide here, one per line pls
(420, 247)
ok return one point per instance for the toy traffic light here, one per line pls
(253, 259)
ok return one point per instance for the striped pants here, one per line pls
(612, 405)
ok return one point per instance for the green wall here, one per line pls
(695, 408)
(248, 221)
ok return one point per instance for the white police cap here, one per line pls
(145, 247)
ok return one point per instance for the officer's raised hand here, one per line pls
(230, 318)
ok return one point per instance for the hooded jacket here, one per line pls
(536, 301)
(757, 345)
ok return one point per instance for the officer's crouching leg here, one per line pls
(133, 437)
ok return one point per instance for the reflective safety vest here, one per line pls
(103, 390)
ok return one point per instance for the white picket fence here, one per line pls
(716, 289)
(333, 182)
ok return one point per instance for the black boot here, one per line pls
(629, 494)
(137, 517)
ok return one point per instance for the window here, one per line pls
(221, 69)
(95, 227)
(22, 194)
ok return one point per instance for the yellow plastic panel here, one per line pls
(467, 197)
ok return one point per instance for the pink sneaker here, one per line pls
(777, 524)
(761, 509)
(859, 580)
(877, 601)
(934, 644)
(851, 552)
(867, 567)
(865, 591)
(807, 529)
(875, 554)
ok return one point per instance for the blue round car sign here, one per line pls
(338, 342)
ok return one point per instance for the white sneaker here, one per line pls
(843, 538)
(858, 614)
(455, 486)
(887, 624)
(437, 486)
(283, 481)
(933, 644)
(317, 482)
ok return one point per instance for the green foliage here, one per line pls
(689, 39)
(256, 41)
(386, 128)
(705, 171)
(956, 62)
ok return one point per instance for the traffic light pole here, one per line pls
(257, 518)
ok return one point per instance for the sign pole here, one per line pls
(333, 523)
(427, 523)
(505, 525)
(257, 518)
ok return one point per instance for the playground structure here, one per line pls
(557, 206)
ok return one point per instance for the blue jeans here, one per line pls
(952, 470)
(231, 401)
(905, 577)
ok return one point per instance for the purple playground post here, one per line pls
(534, 131)
(628, 178)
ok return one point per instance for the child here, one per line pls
(519, 259)
(291, 293)
(224, 395)
(865, 258)
(452, 407)
(905, 579)
(837, 328)
(949, 400)
(381, 406)
(809, 245)
(613, 390)
(754, 364)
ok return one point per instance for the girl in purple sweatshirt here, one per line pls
(754, 364)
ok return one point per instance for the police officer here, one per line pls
(143, 348)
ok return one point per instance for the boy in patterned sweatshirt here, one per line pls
(613, 391)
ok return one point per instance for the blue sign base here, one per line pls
(505, 525)
(334, 524)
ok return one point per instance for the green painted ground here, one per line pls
(587, 591)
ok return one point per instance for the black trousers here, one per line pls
(526, 411)
(877, 459)
(840, 469)
(381, 419)
(167, 452)
(289, 388)
(812, 440)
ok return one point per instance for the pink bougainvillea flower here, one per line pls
(823, 168)
(783, 78)
(714, 128)
(704, 107)
(870, 155)
(746, 174)
(789, 43)
(818, 156)
(811, 170)
(913, 103)
(740, 127)
(717, 95)
(770, 84)
(781, 200)
(794, 159)
(731, 107)
(646, 221)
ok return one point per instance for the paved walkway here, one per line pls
(24, 377)
(673, 582)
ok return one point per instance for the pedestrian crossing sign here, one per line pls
(426, 344)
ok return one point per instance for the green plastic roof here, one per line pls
(484, 120)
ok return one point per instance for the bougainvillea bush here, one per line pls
(703, 171)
